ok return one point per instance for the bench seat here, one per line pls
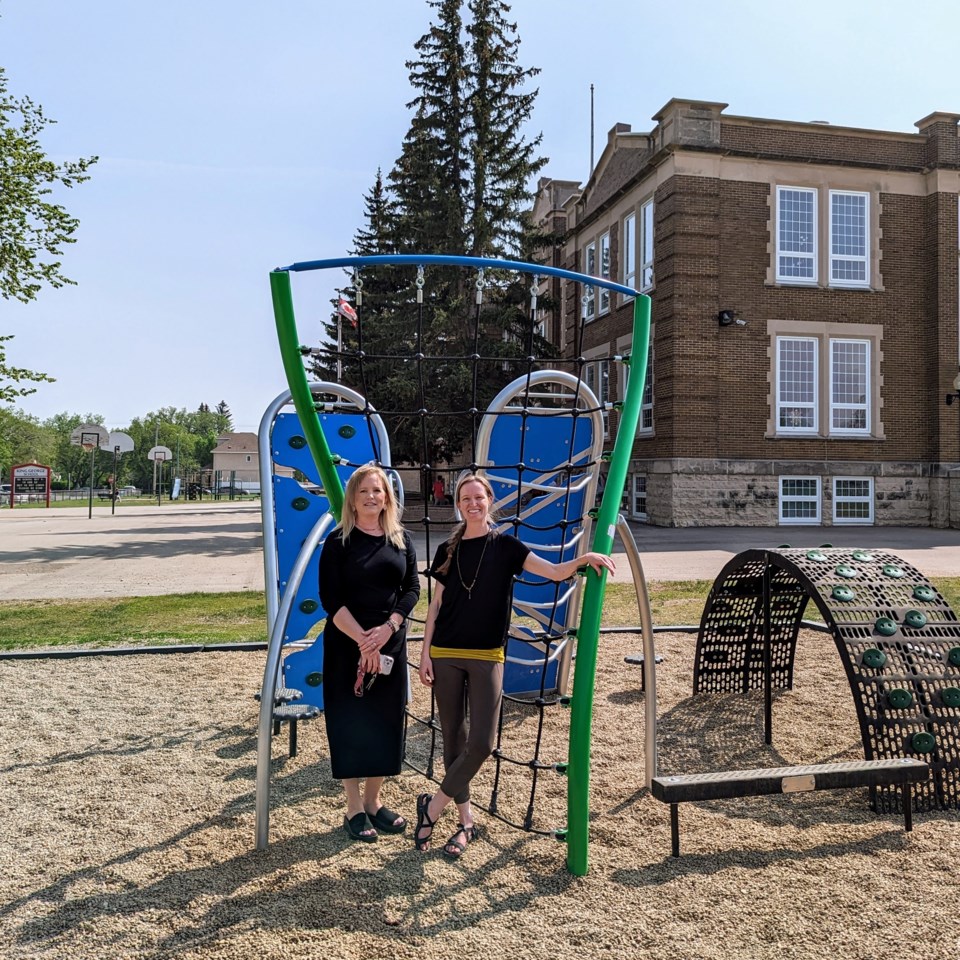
(729, 784)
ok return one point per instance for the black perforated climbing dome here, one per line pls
(898, 638)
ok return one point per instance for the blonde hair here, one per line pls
(389, 515)
(460, 528)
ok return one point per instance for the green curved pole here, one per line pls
(300, 389)
(588, 635)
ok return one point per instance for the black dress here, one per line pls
(371, 578)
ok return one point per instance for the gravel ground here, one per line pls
(128, 786)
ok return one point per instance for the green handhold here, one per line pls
(346, 431)
(298, 442)
(874, 658)
(862, 555)
(309, 606)
(314, 679)
(892, 570)
(923, 742)
(843, 593)
(885, 626)
(845, 570)
(900, 699)
(954, 657)
(950, 696)
(816, 556)
(924, 593)
(915, 619)
(300, 503)
(826, 546)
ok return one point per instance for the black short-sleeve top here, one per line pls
(477, 589)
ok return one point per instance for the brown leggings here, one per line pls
(460, 683)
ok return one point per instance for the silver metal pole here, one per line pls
(271, 671)
(649, 650)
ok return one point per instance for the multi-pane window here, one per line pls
(590, 292)
(847, 391)
(797, 384)
(638, 497)
(852, 500)
(645, 420)
(646, 246)
(628, 251)
(796, 234)
(604, 271)
(597, 377)
(799, 500)
(849, 386)
(849, 243)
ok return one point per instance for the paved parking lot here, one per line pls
(215, 546)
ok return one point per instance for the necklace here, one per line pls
(469, 586)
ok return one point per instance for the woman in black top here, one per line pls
(463, 647)
(368, 587)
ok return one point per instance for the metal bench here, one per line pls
(728, 784)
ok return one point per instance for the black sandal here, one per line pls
(423, 821)
(453, 848)
(355, 826)
(386, 820)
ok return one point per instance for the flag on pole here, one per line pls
(345, 309)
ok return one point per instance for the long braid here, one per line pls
(452, 545)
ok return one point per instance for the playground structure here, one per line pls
(897, 637)
(540, 441)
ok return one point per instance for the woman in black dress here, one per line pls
(463, 647)
(368, 587)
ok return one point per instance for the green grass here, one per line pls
(203, 618)
(180, 618)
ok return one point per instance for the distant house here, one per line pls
(236, 460)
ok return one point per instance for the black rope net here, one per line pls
(434, 406)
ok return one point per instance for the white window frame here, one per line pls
(790, 253)
(865, 404)
(603, 305)
(596, 374)
(638, 496)
(628, 257)
(647, 231)
(783, 499)
(781, 404)
(839, 498)
(589, 291)
(836, 259)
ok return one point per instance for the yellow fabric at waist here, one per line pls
(496, 655)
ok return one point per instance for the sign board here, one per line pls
(30, 481)
(90, 436)
(160, 454)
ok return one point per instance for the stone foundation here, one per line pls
(744, 493)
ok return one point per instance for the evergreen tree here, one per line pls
(504, 163)
(224, 418)
(458, 187)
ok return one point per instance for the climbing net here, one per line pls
(463, 381)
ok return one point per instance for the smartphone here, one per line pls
(386, 663)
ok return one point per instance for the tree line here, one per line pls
(190, 434)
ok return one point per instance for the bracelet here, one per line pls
(393, 627)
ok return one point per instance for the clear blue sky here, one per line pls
(239, 136)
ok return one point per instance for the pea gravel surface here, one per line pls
(128, 792)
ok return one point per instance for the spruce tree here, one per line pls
(503, 162)
(459, 186)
